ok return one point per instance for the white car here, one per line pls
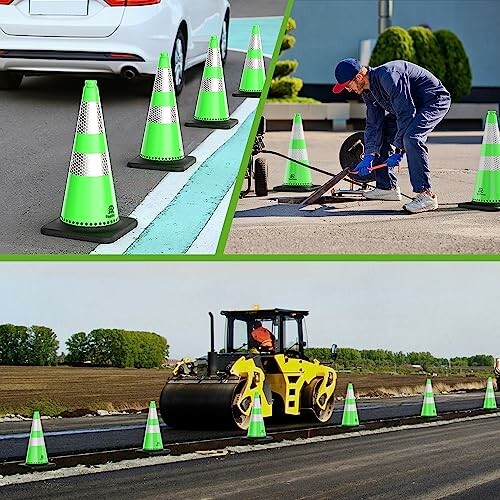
(95, 37)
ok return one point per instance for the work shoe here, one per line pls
(423, 202)
(383, 194)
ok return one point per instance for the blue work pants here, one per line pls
(414, 141)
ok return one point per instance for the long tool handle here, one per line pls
(325, 187)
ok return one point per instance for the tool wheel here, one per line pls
(351, 153)
(241, 420)
(260, 176)
(310, 410)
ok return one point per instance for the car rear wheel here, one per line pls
(223, 38)
(179, 61)
(9, 80)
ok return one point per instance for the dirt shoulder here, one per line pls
(71, 391)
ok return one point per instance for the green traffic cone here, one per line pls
(486, 195)
(297, 177)
(152, 436)
(253, 76)
(89, 211)
(162, 142)
(428, 406)
(490, 402)
(211, 107)
(350, 414)
(36, 454)
(256, 428)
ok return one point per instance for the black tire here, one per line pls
(260, 177)
(224, 38)
(9, 80)
(351, 153)
(308, 411)
(178, 61)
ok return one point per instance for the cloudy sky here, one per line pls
(449, 309)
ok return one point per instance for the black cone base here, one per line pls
(247, 439)
(105, 234)
(296, 189)
(242, 93)
(165, 166)
(35, 467)
(152, 453)
(486, 207)
(226, 125)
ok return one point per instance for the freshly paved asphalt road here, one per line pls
(261, 225)
(457, 461)
(73, 435)
(37, 126)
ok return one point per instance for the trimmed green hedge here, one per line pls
(458, 75)
(428, 51)
(287, 86)
(393, 43)
(285, 68)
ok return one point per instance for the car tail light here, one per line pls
(121, 3)
(5, 2)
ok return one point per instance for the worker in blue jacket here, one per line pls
(415, 102)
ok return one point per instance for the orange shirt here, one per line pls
(263, 336)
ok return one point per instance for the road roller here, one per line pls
(218, 390)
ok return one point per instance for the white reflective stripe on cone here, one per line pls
(37, 441)
(90, 119)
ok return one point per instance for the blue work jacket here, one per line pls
(400, 88)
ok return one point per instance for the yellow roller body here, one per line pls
(295, 373)
(254, 382)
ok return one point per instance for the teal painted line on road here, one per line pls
(179, 224)
(241, 28)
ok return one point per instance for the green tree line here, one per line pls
(349, 358)
(27, 345)
(38, 345)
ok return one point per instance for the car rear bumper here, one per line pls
(139, 35)
(48, 59)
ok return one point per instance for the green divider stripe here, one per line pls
(490, 150)
(298, 144)
(254, 53)
(165, 99)
(212, 72)
(90, 143)
(491, 117)
(36, 434)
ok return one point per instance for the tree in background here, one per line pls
(42, 346)
(13, 345)
(22, 345)
(78, 349)
(118, 348)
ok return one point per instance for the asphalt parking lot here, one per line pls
(37, 126)
(264, 226)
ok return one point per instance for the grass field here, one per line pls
(67, 390)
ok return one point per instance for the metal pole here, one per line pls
(384, 14)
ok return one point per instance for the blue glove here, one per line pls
(363, 167)
(394, 160)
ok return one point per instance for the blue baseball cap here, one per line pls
(345, 71)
